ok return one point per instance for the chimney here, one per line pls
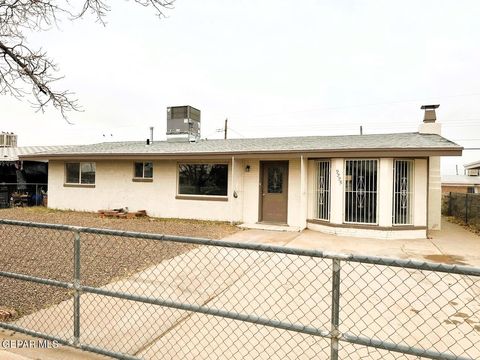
(151, 134)
(429, 125)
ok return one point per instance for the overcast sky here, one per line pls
(273, 67)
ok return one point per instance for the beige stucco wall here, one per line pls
(297, 193)
(385, 192)
(114, 188)
(434, 194)
(420, 192)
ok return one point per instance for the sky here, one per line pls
(272, 67)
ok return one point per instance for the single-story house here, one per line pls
(379, 185)
(461, 184)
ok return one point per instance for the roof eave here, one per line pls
(440, 151)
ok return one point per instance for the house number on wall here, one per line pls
(339, 178)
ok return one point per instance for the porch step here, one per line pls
(270, 227)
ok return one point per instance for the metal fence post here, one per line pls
(450, 204)
(334, 322)
(76, 284)
(466, 208)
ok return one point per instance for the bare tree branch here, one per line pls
(29, 73)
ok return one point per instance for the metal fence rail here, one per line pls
(135, 295)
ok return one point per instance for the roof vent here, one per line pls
(183, 123)
(430, 115)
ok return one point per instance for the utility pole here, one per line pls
(226, 128)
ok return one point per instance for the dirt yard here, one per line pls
(49, 253)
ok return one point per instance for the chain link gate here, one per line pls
(129, 295)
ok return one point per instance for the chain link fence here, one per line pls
(463, 206)
(134, 295)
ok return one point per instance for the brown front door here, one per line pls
(274, 191)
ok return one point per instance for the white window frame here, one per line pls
(79, 183)
(410, 193)
(143, 170)
(324, 191)
(377, 191)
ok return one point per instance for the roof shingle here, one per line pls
(399, 141)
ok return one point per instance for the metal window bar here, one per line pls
(403, 192)
(345, 270)
(322, 189)
(361, 191)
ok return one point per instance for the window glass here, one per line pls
(87, 171)
(275, 180)
(73, 173)
(361, 191)
(203, 179)
(322, 189)
(148, 170)
(138, 169)
(144, 169)
(403, 192)
(80, 173)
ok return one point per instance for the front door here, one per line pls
(274, 191)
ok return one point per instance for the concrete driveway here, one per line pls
(417, 308)
(452, 245)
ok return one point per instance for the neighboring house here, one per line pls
(382, 186)
(468, 183)
(461, 184)
(16, 175)
(473, 168)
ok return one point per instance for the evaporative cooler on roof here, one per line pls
(183, 123)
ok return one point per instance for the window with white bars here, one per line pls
(403, 192)
(361, 191)
(322, 189)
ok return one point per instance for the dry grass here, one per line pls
(49, 253)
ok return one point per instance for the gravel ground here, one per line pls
(49, 253)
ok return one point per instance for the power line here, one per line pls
(366, 105)
(236, 132)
